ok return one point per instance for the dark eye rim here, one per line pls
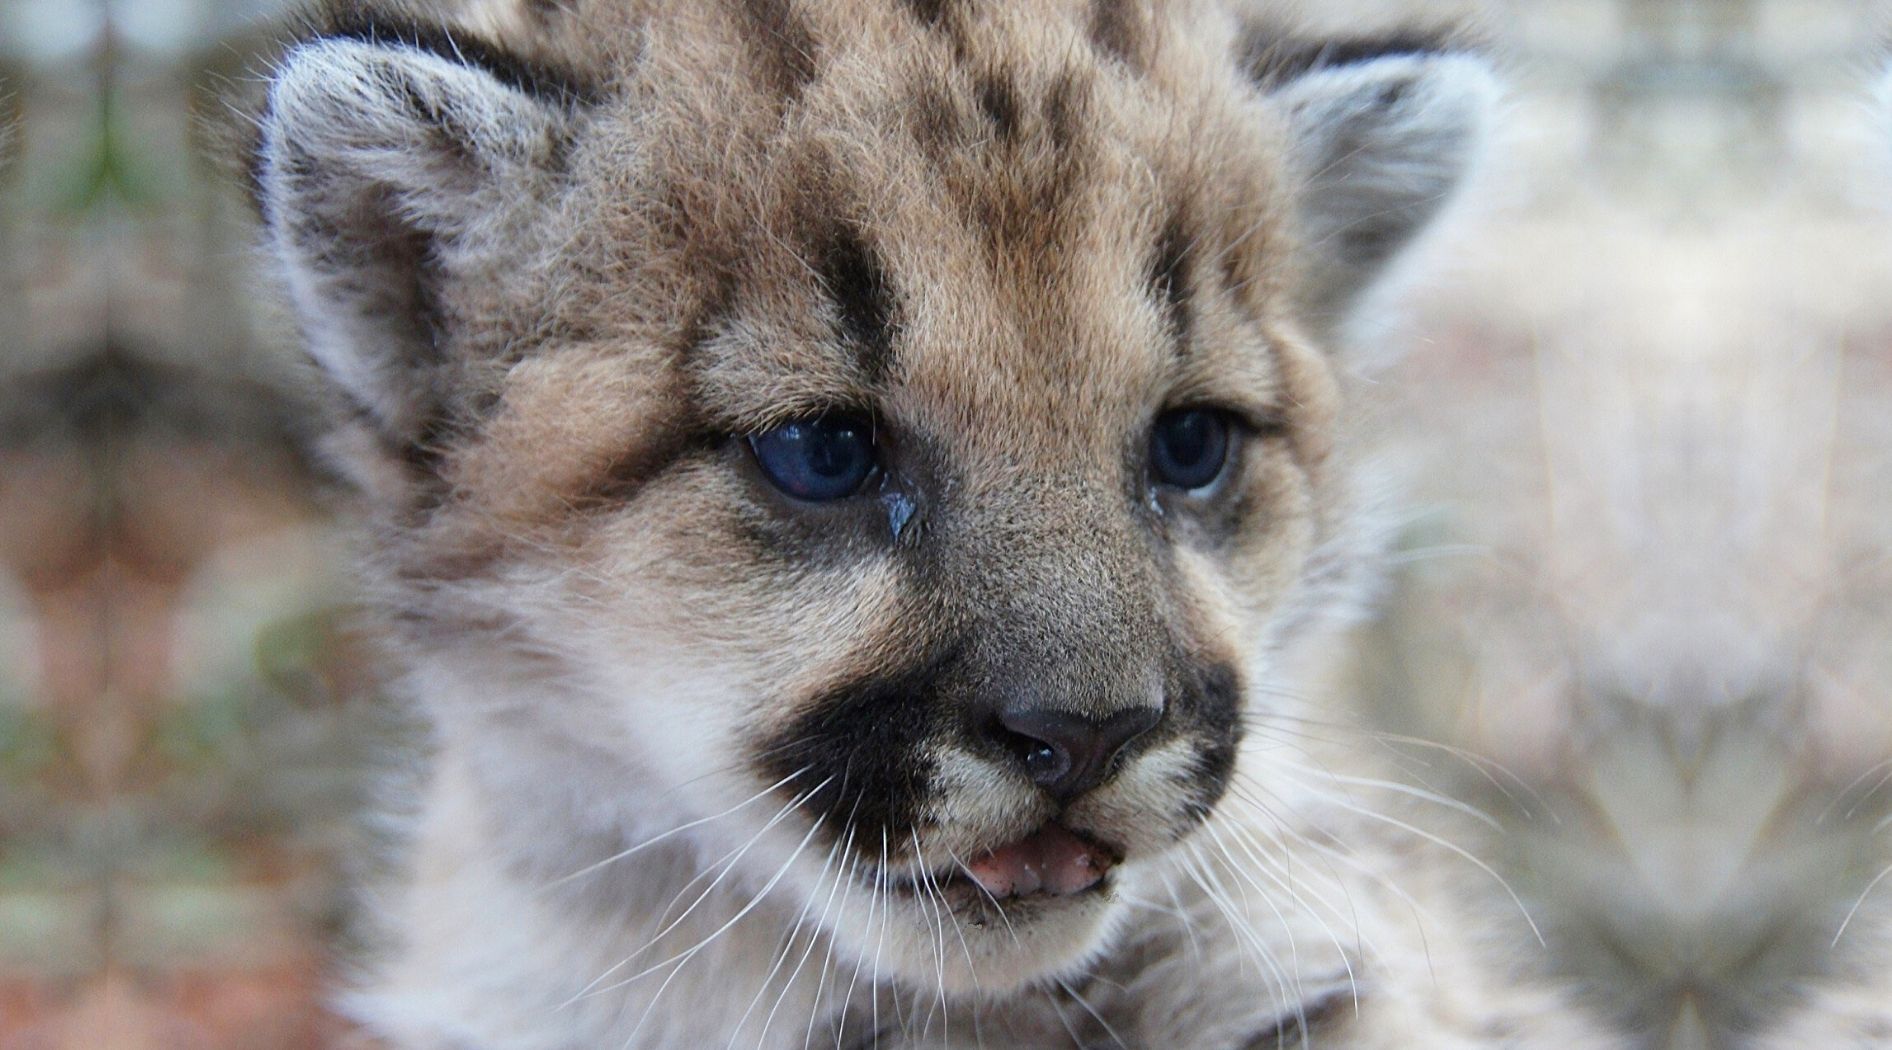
(862, 420)
(1242, 428)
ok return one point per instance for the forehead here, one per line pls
(948, 206)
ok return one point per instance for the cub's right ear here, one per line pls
(391, 164)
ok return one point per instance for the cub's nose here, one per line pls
(1068, 754)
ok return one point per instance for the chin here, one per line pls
(955, 938)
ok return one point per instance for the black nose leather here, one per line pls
(1068, 754)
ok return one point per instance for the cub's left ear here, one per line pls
(1380, 139)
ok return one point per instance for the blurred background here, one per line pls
(1643, 597)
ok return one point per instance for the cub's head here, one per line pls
(888, 440)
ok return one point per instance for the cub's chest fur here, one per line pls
(850, 482)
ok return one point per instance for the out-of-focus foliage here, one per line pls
(184, 719)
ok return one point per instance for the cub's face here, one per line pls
(890, 445)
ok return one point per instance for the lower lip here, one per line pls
(961, 894)
(961, 890)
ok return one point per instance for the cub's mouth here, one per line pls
(1052, 861)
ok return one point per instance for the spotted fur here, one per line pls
(705, 750)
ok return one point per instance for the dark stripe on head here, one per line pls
(671, 442)
(1116, 31)
(679, 431)
(1170, 280)
(709, 317)
(1064, 109)
(853, 277)
(544, 81)
(783, 43)
(1270, 56)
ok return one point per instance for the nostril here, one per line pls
(1069, 754)
(1047, 763)
(1043, 760)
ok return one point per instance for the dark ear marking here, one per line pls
(1270, 57)
(544, 81)
(382, 144)
(854, 278)
(451, 137)
(1383, 131)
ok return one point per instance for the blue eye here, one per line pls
(821, 459)
(1189, 448)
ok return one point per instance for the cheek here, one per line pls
(678, 607)
(1263, 555)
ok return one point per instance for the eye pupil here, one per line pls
(831, 456)
(821, 459)
(1189, 448)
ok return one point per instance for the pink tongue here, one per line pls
(1050, 860)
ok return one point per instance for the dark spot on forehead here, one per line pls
(1027, 207)
(930, 12)
(998, 100)
(1116, 31)
(854, 278)
(783, 44)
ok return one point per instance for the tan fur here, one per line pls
(579, 298)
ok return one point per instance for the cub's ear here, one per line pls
(1382, 135)
(390, 165)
